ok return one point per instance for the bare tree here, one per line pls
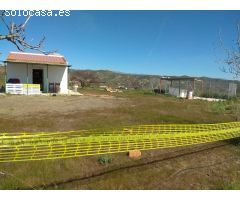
(231, 63)
(16, 35)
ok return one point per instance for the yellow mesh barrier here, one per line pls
(54, 145)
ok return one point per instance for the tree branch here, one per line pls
(16, 35)
(231, 63)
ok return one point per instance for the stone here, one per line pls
(134, 154)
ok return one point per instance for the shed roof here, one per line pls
(34, 58)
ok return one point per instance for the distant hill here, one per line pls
(210, 85)
(115, 79)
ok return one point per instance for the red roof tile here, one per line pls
(36, 58)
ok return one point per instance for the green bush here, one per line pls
(105, 159)
(218, 107)
(234, 108)
(231, 107)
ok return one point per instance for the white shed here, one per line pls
(48, 73)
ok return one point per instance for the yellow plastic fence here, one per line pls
(54, 145)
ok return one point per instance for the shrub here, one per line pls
(218, 107)
(234, 108)
(105, 159)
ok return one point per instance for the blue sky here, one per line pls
(142, 42)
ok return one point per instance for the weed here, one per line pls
(229, 186)
(218, 107)
(105, 159)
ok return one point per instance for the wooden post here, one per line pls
(210, 86)
(160, 86)
(179, 87)
(47, 81)
(170, 85)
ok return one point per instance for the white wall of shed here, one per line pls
(55, 74)
(59, 74)
(18, 71)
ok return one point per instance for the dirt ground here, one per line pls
(62, 113)
(22, 106)
(50, 113)
(208, 166)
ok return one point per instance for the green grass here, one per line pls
(233, 186)
(218, 107)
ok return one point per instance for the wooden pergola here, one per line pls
(179, 79)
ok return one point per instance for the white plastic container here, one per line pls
(75, 88)
(183, 94)
(190, 95)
